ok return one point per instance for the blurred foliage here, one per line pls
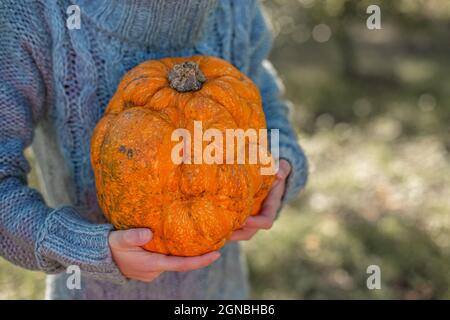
(401, 71)
(372, 111)
(369, 202)
(16, 283)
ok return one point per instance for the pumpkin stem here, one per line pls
(186, 76)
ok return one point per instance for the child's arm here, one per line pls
(33, 235)
(276, 110)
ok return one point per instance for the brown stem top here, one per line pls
(186, 76)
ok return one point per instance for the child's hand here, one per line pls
(269, 208)
(139, 264)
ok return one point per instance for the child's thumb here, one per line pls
(130, 238)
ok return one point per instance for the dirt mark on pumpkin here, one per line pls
(128, 152)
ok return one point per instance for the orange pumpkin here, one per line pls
(191, 208)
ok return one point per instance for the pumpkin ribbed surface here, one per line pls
(191, 208)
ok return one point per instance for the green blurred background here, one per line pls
(372, 113)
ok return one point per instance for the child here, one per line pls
(55, 83)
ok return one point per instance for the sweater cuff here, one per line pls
(299, 171)
(66, 239)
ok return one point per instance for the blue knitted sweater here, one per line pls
(55, 83)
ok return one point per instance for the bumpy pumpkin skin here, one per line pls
(191, 208)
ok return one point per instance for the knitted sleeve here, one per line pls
(33, 235)
(275, 109)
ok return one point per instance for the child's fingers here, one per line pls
(273, 201)
(283, 170)
(243, 234)
(275, 194)
(269, 209)
(130, 238)
(160, 262)
(259, 222)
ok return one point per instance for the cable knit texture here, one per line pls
(54, 86)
